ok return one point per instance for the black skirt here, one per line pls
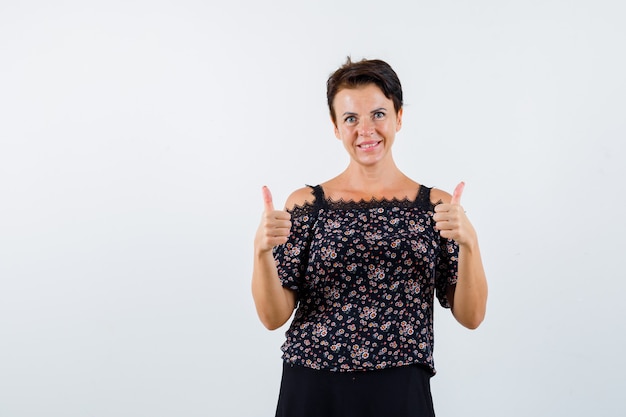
(395, 392)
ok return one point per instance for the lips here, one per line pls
(368, 145)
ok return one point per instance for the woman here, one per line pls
(362, 256)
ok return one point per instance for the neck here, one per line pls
(372, 179)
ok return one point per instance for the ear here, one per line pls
(399, 119)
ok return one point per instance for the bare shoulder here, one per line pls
(300, 197)
(437, 195)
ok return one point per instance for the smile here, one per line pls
(368, 145)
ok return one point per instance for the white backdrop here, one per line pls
(135, 137)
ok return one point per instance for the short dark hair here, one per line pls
(357, 74)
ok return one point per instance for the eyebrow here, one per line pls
(378, 109)
(349, 113)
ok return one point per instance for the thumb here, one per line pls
(267, 199)
(456, 196)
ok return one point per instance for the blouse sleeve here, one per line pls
(292, 257)
(446, 273)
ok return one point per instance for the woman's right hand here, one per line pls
(274, 227)
(274, 303)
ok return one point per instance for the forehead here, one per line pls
(368, 95)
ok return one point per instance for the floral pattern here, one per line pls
(366, 274)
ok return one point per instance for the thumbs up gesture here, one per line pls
(274, 227)
(451, 221)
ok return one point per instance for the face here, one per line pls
(366, 123)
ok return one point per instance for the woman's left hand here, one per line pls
(451, 221)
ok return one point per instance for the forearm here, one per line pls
(470, 295)
(274, 303)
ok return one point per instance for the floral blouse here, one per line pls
(365, 274)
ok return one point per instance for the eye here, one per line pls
(350, 120)
(379, 115)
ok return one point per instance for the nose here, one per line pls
(366, 127)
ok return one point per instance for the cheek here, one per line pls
(345, 133)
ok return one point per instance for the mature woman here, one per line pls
(362, 257)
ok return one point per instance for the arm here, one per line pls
(469, 297)
(274, 303)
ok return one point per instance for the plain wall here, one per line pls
(135, 137)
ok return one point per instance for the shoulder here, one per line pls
(439, 196)
(300, 197)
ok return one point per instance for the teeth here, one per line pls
(369, 145)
